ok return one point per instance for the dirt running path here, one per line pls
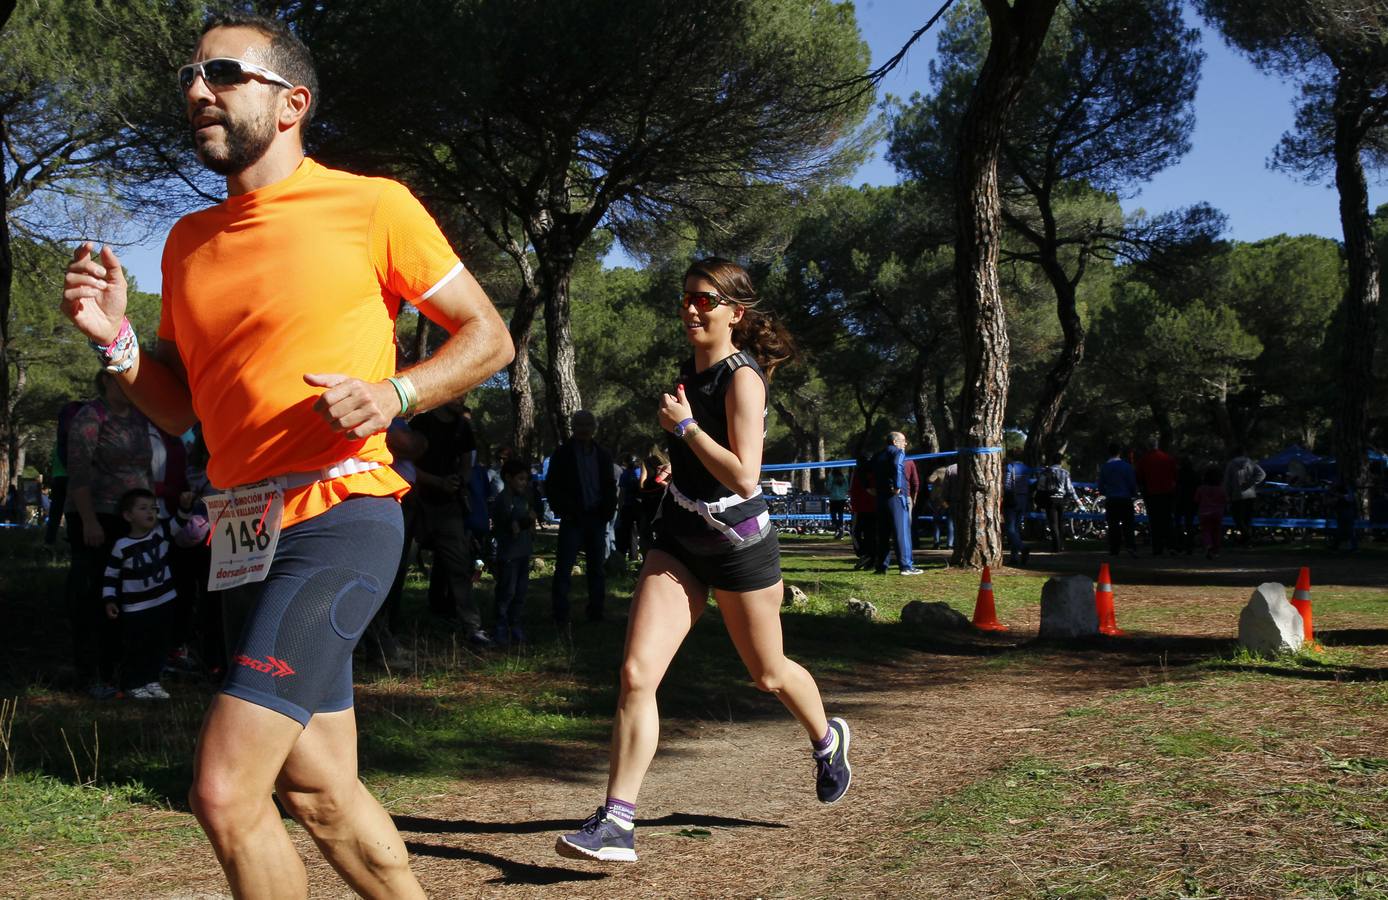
(923, 727)
(928, 725)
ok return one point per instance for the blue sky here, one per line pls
(1240, 115)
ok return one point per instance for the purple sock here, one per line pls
(822, 745)
(620, 809)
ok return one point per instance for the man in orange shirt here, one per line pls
(276, 333)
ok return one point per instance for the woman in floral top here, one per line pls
(109, 453)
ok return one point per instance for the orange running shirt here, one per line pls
(305, 275)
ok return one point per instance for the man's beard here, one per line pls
(245, 142)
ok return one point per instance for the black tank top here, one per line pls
(707, 393)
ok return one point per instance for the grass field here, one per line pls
(1166, 764)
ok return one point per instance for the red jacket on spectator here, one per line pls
(858, 497)
(1156, 472)
(913, 480)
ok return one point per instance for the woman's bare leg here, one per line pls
(668, 601)
(754, 624)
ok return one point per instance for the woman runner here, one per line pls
(713, 532)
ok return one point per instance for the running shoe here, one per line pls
(832, 774)
(911, 571)
(140, 693)
(102, 691)
(601, 837)
(156, 691)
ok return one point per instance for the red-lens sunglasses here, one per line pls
(703, 301)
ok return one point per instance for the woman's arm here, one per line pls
(737, 466)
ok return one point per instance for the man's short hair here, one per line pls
(1115, 448)
(130, 497)
(513, 467)
(286, 55)
(585, 417)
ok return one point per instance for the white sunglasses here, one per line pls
(224, 71)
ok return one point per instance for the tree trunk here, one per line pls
(1045, 422)
(801, 436)
(945, 410)
(820, 453)
(1166, 432)
(419, 346)
(1361, 296)
(522, 397)
(1223, 422)
(556, 253)
(8, 435)
(927, 441)
(1017, 33)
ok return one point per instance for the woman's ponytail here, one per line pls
(765, 338)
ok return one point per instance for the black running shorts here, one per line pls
(291, 636)
(739, 568)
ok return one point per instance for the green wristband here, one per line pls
(400, 393)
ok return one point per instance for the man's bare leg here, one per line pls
(319, 787)
(240, 752)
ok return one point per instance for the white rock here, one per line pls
(1067, 607)
(1269, 624)
(862, 608)
(795, 598)
(937, 616)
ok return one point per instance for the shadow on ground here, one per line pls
(512, 872)
(428, 825)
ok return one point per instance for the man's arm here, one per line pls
(478, 347)
(158, 385)
(94, 298)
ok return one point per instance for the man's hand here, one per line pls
(94, 294)
(358, 408)
(112, 610)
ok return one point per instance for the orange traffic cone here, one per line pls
(985, 615)
(1301, 599)
(1103, 604)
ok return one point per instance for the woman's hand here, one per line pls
(674, 409)
(92, 533)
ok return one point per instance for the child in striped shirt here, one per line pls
(139, 588)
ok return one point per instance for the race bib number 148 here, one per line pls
(245, 532)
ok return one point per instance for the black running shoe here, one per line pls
(601, 837)
(832, 774)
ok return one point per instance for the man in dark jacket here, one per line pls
(444, 472)
(893, 506)
(582, 492)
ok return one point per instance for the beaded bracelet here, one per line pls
(119, 355)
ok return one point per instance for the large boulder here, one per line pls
(937, 616)
(1270, 625)
(794, 598)
(863, 608)
(1067, 607)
